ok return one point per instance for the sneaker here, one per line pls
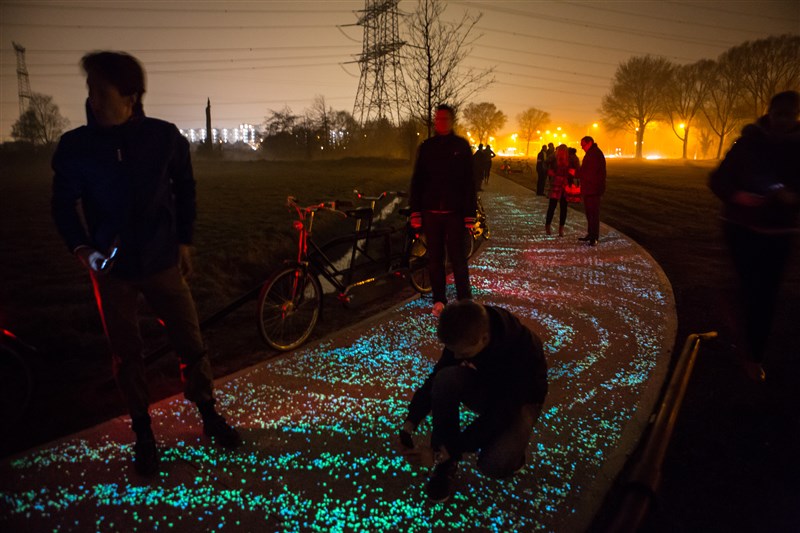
(438, 307)
(592, 242)
(145, 456)
(215, 427)
(440, 484)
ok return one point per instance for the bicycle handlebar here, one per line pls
(362, 196)
(291, 201)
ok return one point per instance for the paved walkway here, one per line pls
(318, 422)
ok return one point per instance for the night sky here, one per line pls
(251, 57)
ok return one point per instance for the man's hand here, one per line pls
(89, 257)
(185, 260)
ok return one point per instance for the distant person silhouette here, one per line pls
(487, 163)
(443, 202)
(759, 185)
(541, 171)
(477, 166)
(124, 203)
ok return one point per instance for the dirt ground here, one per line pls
(731, 465)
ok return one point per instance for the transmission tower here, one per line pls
(23, 82)
(381, 90)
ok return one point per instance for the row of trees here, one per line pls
(715, 96)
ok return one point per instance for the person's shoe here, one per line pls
(592, 242)
(215, 427)
(145, 456)
(584, 238)
(754, 371)
(548, 229)
(438, 307)
(561, 231)
(440, 484)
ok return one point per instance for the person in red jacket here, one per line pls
(561, 175)
(493, 365)
(592, 175)
(124, 203)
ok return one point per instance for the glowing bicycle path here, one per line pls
(318, 423)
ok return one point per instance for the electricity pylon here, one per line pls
(381, 89)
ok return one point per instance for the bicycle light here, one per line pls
(298, 225)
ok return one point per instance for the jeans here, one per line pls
(446, 231)
(760, 261)
(170, 298)
(501, 444)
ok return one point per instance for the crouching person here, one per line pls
(492, 365)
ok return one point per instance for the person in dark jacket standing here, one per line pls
(759, 185)
(493, 365)
(443, 202)
(592, 176)
(129, 178)
(541, 171)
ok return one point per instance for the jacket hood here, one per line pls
(760, 130)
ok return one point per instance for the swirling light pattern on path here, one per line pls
(318, 423)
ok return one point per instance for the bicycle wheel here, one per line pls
(288, 308)
(16, 384)
(418, 266)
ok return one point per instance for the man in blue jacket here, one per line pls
(124, 203)
(493, 365)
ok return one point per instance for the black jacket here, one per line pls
(134, 184)
(760, 163)
(443, 179)
(512, 366)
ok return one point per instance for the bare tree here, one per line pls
(283, 121)
(320, 116)
(484, 119)
(684, 96)
(435, 62)
(767, 66)
(530, 121)
(636, 96)
(723, 105)
(41, 123)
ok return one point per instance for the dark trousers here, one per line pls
(562, 213)
(170, 298)
(445, 231)
(760, 261)
(499, 454)
(540, 183)
(591, 206)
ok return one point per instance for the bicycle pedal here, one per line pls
(344, 298)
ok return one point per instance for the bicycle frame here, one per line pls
(313, 256)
